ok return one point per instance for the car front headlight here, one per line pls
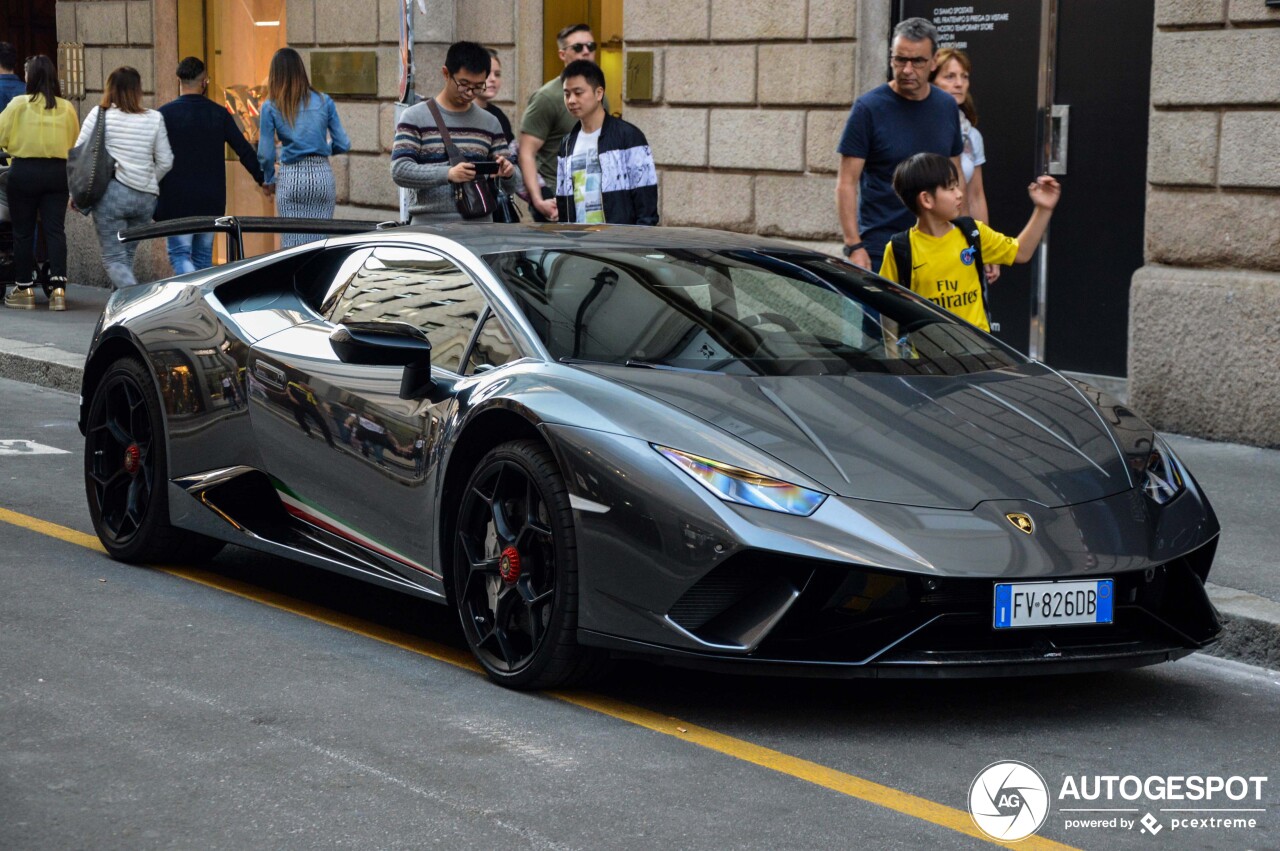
(1163, 479)
(733, 484)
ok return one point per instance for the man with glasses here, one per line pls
(419, 160)
(888, 124)
(547, 121)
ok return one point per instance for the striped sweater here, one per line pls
(138, 143)
(419, 160)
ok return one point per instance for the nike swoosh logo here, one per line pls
(921, 266)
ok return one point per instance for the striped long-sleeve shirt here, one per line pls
(419, 160)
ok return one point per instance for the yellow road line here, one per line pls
(740, 749)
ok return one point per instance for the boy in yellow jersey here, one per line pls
(946, 262)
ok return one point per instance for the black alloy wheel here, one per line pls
(515, 570)
(125, 472)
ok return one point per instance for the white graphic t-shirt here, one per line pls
(584, 164)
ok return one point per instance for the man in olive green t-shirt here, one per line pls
(546, 121)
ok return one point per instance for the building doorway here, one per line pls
(236, 39)
(605, 20)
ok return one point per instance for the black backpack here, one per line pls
(900, 243)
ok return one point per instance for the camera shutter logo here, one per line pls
(1008, 800)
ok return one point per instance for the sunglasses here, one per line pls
(583, 47)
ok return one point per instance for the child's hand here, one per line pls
(1045, 192)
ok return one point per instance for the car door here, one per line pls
(347, 453)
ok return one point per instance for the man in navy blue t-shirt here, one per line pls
(891, 122)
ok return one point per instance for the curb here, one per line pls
(1251, 632)
(43, 365)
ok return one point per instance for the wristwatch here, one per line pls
(849, 249)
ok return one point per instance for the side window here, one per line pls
(492, 347)
(320, 281)
(419, 287)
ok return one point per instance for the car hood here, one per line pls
(931, 441)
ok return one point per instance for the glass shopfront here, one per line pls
(236, 39)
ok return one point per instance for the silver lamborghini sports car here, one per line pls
(592, 442)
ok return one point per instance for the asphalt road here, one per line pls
(264, 705)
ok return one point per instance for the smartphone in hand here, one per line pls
(487, 168)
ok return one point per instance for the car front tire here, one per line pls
(515, 574)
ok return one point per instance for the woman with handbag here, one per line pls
(306, 123)
(37, 130)
(137, 142)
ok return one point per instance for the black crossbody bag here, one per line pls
(476, 199)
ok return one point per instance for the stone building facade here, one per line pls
(748, 100)
(1204, 320)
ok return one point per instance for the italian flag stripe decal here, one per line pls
(305, 510)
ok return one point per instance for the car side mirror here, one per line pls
(388, 344)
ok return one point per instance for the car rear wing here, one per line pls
(236, 226)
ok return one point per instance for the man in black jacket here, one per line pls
(604, 171)
(197, 185)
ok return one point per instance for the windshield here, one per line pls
(736, 312)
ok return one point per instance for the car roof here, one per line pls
(498, 238)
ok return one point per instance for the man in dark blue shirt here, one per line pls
(10, 85)
(197, 186)
(887, 125)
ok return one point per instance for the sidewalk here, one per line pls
(1243, 482)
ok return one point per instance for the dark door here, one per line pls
(1103, 77)
(1072, 311)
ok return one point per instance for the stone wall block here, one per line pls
(833, 18)
(435, 26)
(300, 22)
(94, 79)
(428, 59)
(103, 22)
(1251, 11)
(341, 165)
(338, 22)
(1182, 12)
(821, 136)
(807, 74)
(1250, 150)
(666, 20)
(1218, 229)
(771, 139)
(1192, 68)
(676, 136)
(802, 207)
(1219, 381)
(703, 199)
(139, 22)
(366, 214)
(65, 16)
(757, 20)
(360, 120)
(386, 126)
(370, 183)
(1182, 148)
(487, 21)
(137, 57)
(710, 74)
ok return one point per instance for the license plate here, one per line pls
(1054, 603)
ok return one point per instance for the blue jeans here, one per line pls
(190, 252)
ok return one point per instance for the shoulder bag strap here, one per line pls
(455, 156)
(973, 236)
(900, 245)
